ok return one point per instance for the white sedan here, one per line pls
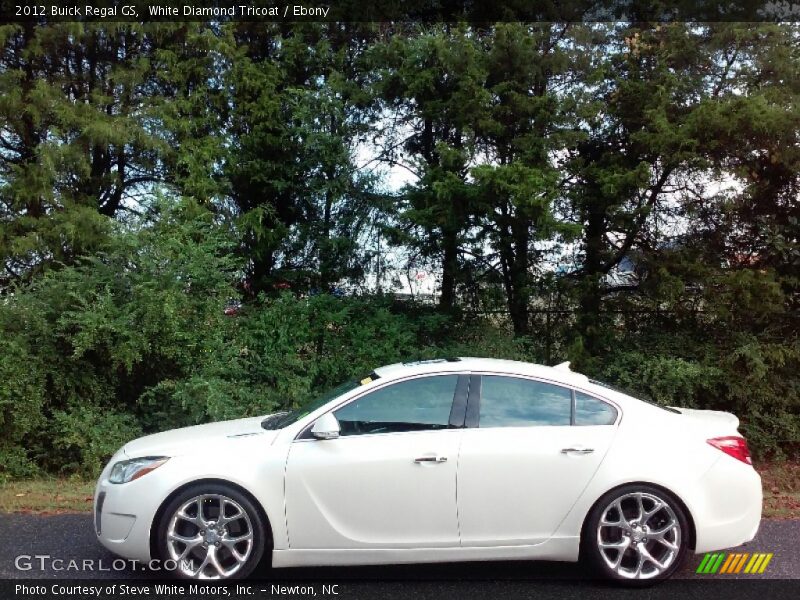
(432, 461)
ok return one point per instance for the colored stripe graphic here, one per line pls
(741, 562)
(752, 563)
(720, 562)
(757, 566)
(726, 565)
(764, 564)
(702, 567)
(711, 562)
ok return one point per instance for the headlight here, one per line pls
(128, 470)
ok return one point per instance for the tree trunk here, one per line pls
(591, 292)
(449, 267)
(327, 262)
(520, 299)
(29, 135)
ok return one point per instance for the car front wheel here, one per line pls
(212, 532)
(636, 533)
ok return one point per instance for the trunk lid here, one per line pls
(716, 422)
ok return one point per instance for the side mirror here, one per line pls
(326, 427)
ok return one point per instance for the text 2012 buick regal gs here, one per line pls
(445, 460)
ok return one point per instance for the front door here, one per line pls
(388, 481)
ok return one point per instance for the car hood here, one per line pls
(196, 438)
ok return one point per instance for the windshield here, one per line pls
(280, 420)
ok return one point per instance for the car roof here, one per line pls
(560, 373)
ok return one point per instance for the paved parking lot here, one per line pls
(71, 537)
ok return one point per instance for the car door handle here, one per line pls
(433, 459)
(577, 450)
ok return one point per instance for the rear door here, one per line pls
(529, 450)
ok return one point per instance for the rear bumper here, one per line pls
(728, 511)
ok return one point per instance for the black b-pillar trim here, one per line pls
(474, 403)
(459, 408)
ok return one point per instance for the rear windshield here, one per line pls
(633, 394)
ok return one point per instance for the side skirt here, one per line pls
(558, 549)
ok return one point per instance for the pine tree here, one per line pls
(525, 131)
(297, 112)
(432, 83)
(86, 131)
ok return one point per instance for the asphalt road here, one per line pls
(71, 537)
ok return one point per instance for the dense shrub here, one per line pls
(756, 380)
(135, 340)
(667, 380)
(81, 344)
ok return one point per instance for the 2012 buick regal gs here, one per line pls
(447, 460)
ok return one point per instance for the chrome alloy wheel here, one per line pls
(210, 537)
(639, 535)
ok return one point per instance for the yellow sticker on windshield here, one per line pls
(366, 380)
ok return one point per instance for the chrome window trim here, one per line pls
(299, 437)
(571, 388)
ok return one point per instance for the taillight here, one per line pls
(734, 446)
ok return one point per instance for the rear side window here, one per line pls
(591, 411)
(515, 402)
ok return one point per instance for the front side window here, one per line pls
(591, 411)
(515, 402)
(413, 405)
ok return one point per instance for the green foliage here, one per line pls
(667, 380)
(296, 111)
(289, 349)
(84, 437)
(85, 341)
(545, 157)
(22, 397)
(761, 386)
(87, 120)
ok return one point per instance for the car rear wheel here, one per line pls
(212, 532)
(636, 533)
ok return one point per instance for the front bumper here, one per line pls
(123, 515)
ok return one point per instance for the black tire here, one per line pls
(225, 549)
(599, 561)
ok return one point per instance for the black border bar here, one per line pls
(75, 589)
(417, 11)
